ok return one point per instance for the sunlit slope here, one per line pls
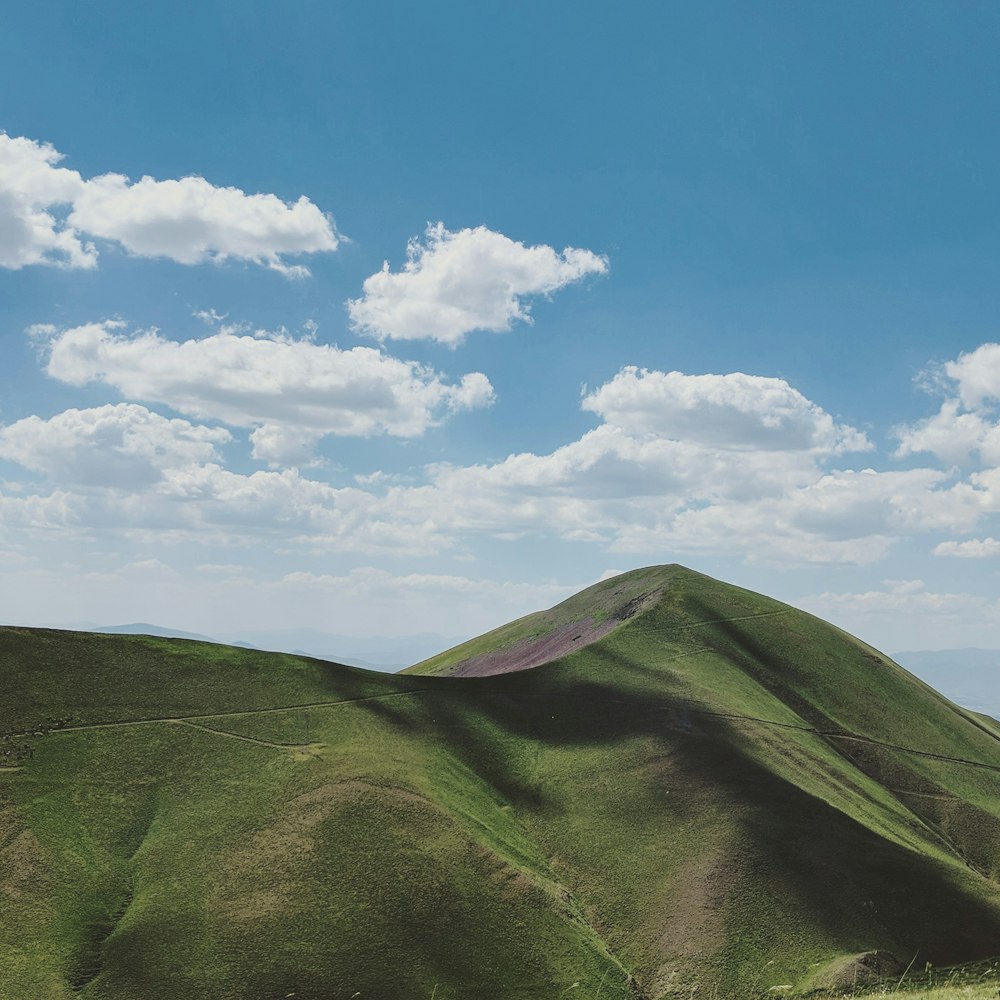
(547, 635)
(719, 790)
(150, 849)
(815, 820)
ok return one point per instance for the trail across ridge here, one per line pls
(241, 736)
(738, 618)
(191, 721)
(151, 720)
(832, 735)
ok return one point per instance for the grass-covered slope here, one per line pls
(547, 635)
(717, 792)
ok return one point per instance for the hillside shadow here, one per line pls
(862, 889)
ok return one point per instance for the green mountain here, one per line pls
(696, 791)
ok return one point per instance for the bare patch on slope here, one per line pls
(563, 639)
(693, 929)
(261, 879)
(22, 860)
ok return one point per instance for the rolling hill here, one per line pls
(665, 786)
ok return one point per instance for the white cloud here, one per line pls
(839, 517)
(457, 282)
(977, 375)
(734, 411)
(902, 598)
(694, 463)
(31, 187)
(278, 444)
(292, 392)
(640, 488)
(188, 220)
(432, 587)
(973, 548)
(224, 569)
(123, 446)
(609, 466)
(191, 221)
(642, 484)
(59, 511)
(952, 435)
(966, 426)
(203, 503)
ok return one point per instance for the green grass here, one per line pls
(716, 798)
(975, 981)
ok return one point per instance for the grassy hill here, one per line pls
(698, 791)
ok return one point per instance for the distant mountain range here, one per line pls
(145, 628)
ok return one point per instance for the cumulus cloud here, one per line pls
(907, 614)
(655, 479)
(278, 444)
(966, 426)
(734, 411)
(47, 211)
(952, 435)
(32, 187)
(457, 282)
(191, 221)
(905, 598)
(657, 499)
(608, 463)
(203, 503)
(972, 548)
(60, 510)
(124, 446)
(639, 482)
(291, 392)
(976, 375)
(718, 463)
(842, 516)
(431, 588)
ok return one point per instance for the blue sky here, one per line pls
(706, 283)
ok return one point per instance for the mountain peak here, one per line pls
(585, 618)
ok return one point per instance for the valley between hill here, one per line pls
(665, 786)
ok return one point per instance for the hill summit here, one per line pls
(661, 786)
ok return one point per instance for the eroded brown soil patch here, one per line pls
(561, 640)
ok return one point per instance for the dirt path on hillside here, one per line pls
(831, 735)
(918, 753)
(190, 720)
(723, 621)
(152, 720)
(243, 738)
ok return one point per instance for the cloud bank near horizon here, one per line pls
(677, 463)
